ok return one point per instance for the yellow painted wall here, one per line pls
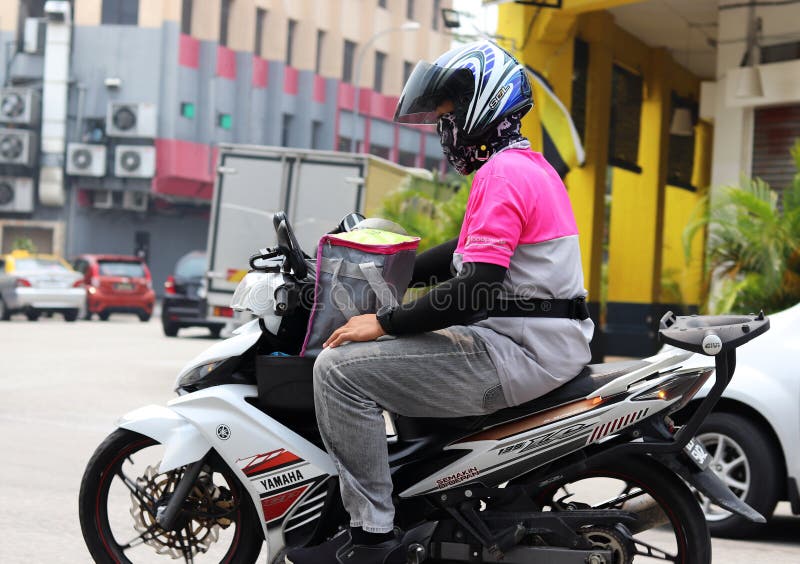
(645, 216)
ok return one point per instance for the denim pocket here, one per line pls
(494, 399)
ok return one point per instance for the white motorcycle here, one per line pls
(594, 472)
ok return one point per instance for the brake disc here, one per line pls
(194, 534)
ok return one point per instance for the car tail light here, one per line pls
(169, 285)
(223, 311)
(78, 284)
(22, 283)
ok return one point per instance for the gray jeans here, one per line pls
(445, 373)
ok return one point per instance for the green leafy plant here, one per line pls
(753, 250)
(430, 209)
(23, 244)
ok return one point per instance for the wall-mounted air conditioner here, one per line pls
(134, 200)
(131, 120)
(18, 147)
(103, 199)
(86, 160)
(16, 195)
(135, 161)
(20, 106)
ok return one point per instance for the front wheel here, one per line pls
(671, 525)
(122, 491)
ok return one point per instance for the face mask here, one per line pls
(468, 156)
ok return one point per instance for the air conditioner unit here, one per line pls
(103, 199)
(20, 106)
(131, 120)
(16, 195)
(134, 200)
(17, 147)
(86, 160)
(135, 161)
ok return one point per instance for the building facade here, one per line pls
(118, 105)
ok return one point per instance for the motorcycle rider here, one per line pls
(456, 351)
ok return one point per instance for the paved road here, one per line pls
(62, 387)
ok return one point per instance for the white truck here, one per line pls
(315, 188)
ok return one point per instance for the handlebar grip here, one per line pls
(281, 300)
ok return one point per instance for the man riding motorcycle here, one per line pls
(510, 326)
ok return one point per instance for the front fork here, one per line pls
(167, 515)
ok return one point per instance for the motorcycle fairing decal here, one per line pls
(276, 506)
(614, 425)
(260, 463)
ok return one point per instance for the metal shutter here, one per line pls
(775, 132)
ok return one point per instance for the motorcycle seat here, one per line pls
(591, 378)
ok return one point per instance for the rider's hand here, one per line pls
(359, 328)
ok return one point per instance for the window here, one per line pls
(224, 18)
(781, 52)
(343, 144)
(580, 80)
(437, 8)
(775, 130)
(380, 63)
(432, 163)
(320, 44)
(409, 9)
(126, 268)
(316, 135)
(120, 12)
(407, 158)
(186, 17)
(290, 31)
(680, 149)
(379, 151)
(381, 3)
(286, 130)
(349, 56)
(261, 20)
(408, 67)
(626, 114)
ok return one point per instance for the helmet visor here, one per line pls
(427, 88)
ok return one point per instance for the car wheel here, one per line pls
(71, 315)
(144, 317)
(170, 329)
(103, 315)
(745, 458)
(87, 315)
(215, 331)
(32, 315)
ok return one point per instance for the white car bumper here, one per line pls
(47, 298)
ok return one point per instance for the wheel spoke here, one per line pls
(727, 466)
(620, 500)
(144, 498)
(139, 539)
(733, 483)
(644, 549)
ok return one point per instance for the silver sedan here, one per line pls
(36, 284)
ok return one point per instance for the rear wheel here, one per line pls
(215, 331)
(103, 315)
(144, 317)
(71, 315)
(671, 529)
(5, 315)
(170, 329)
(122, 491)
(32, 315)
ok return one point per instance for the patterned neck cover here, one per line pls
(467, 156)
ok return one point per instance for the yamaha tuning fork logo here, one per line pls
(223, 432)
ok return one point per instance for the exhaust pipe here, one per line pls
(648, 511)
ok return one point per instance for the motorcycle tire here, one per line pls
(676, 500)
(106, 463)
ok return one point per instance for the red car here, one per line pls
(116, 284)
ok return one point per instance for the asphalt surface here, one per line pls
(63, 386)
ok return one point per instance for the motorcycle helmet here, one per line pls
(484, 82)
